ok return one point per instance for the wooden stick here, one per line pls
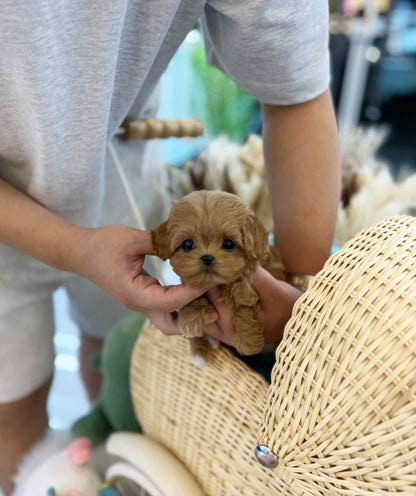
(157, 128)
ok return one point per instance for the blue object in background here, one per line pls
(334, 249)
(175, 104)
(190, 88)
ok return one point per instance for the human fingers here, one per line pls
(144, 243)
(221, 325)
(166, 322)
(261, 278)
(167, 298)
(276, 299)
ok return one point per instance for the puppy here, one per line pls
(213, 238)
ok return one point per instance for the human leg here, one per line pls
(26, 369)
(91, 378)
(22, 423)
(95, 313)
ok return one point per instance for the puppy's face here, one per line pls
(211, 238)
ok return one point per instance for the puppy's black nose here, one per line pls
(207, 259)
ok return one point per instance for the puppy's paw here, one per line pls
(191, 328)
(248, 336)
(214, 343)
(200, 348)
(240, 293)
(193, 317)
(199, 361)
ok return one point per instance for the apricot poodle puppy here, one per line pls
(213, 238)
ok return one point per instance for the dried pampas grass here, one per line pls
(370, 192)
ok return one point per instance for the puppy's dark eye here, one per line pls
(228, 245)
(188, 245)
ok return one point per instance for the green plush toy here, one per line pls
(114, 409)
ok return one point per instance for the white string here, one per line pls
(133, 205)
(126, 186)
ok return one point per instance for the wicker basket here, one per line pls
(341, 410)
(208, 418)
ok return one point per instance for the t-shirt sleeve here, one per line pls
(275, 50)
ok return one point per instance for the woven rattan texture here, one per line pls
(341, 409)
(208, 418)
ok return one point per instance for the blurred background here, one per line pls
(373, 60)
(373, 51)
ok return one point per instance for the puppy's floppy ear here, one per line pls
(160, 241)
(255, 239)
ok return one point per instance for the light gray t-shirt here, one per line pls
(72, 70)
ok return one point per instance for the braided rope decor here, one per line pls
(159, 128)
(341, 409)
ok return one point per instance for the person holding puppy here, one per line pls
(70, 73)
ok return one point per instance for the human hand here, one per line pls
(276, 303)
(112, 258)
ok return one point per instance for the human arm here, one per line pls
(111, 257)
(301, 155)
(303, 170)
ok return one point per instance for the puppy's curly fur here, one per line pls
(213, 238)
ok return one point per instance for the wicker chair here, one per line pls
(340, 413)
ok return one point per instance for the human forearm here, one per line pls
(302, 159)
(29, 227)
(111, 257)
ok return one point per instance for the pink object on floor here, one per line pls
(79, 451)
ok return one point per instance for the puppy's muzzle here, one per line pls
(207, 260)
